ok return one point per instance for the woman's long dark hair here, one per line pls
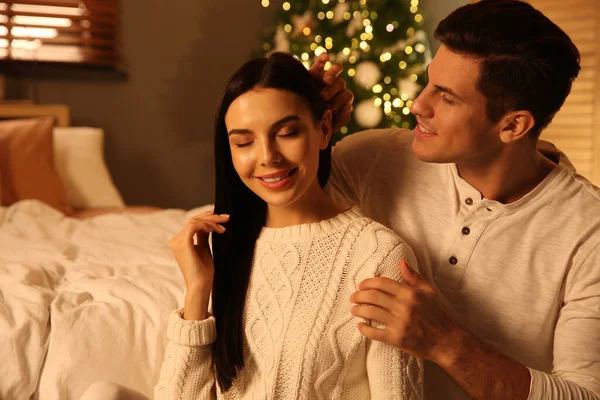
(233, 250)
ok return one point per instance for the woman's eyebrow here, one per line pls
(273, 128)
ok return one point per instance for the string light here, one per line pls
(377, 88)
(321, 15)
(327, 65)
(314, 46)
(318, 39)
(377, 102)
(397, 102)
(418, 18)
(363, 45)
(352, 59)
(414, 9)
(346, 51)
(405, 111)
(420, 48)
(365, 14)
(286, 6)
(389, 27)
(394, 91)
(305, 56)
(410, 31)
(369, 29)
(409, 103)
(351, 72)
(325, 1)
(402, 64)
(414, 77)
(329, 14)
(265, 3)
(408, 50)
(387, 80)
(266, 47)
(366, 22)
(320, 50)
(404, 96)
(386, 97)
(287, 28)
(347, 16)
(413, 3)
(344, 129)
(306, 31)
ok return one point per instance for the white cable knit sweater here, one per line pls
(301, 342)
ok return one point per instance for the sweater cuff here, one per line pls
(190, 333)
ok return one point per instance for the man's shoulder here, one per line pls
(375, 139)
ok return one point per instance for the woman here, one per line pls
(286, 260)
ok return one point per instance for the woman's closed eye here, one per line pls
(286, 134)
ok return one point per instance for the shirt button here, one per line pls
(469, 201)
(453, 260)
(466, 231)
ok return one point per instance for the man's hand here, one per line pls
(411, 312)
(337, 97)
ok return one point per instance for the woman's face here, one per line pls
(275, 144)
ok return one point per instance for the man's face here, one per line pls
(452, 124)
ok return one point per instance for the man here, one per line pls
(507, 303)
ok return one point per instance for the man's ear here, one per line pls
(516, 125)
(326, 129)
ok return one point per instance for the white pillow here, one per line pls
(79, 161)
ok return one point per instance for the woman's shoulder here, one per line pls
(378, 245)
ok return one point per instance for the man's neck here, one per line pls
(510, 176)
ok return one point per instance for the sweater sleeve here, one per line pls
(576, 370)
(187, 370)
(394, 374)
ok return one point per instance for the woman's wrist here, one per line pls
(196, 304)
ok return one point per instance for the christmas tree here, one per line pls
(380, 43)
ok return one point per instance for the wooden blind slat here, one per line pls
(87, 31)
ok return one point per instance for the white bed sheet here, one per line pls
(84, 300)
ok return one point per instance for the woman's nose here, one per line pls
(270, 153)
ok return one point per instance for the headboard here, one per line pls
(60, 112)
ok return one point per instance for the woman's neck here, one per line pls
(314, 206)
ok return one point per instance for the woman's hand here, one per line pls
(195, 261)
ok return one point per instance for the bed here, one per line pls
(84, 296)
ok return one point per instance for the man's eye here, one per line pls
(447, 100)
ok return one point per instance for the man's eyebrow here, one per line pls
(444, 89)
(274, 126)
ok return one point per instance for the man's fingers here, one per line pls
(380, 335)
(372, 313)
(374, 298)
(332, 73)
(334, 89)
(317, 70)
(415, 280)
(382, 284)
(341, 100)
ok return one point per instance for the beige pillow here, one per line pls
(27, 164)
(79, 161)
